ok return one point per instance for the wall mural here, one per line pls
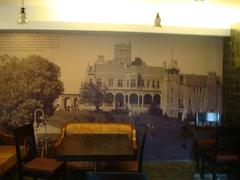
(160, 80)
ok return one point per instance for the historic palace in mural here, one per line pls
(133, 85)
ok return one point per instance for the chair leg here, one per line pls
(214, 171)
(20, 176)
(64, 171)
(229, 168)
(202, 168)
(197, 164)
(64, 174)
(197, 156)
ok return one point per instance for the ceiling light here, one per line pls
(22, 17)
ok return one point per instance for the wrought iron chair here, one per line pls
(32, 165)
(225, 152)
(116, 176)
(128, 166)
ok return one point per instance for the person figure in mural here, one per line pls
(184, 115)
(186, 132)
(138, 116)
(117, 106)
(68, 108)
(190, 117)
(125, 107)
(131, 114)
(135, 117)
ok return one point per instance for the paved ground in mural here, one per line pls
(167, 140)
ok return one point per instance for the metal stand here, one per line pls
(42, 142)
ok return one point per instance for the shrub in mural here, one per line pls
(27, 84)
(92, 93)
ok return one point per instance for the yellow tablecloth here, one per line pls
(7, 158)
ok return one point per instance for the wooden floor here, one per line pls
(158, 171)
(168, 170)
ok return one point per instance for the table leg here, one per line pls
(96, 166)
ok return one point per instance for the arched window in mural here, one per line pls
(67, 104)
(133, 99)
(147, 99)
(157, 99)
(109, 98)
(119, 100)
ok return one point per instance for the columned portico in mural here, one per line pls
(113, 100)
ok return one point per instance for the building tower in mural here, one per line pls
(231, 78)
(133, 85)
(122, 53)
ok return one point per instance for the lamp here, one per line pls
(158, 21)
(22, 17)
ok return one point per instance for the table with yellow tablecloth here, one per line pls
(8, 158)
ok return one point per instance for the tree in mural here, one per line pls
(138, 62)
(27, 84)
(93, 94)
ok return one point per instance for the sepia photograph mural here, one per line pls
(161, 80)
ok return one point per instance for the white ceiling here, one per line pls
(40, 2)
(208, 17)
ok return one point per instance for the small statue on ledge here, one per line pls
(158, 21)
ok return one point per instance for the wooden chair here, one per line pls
(225, 152)
(128, 166)
(204, 133)
(32, 165)
(116, 176)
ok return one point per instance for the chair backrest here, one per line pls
(6, 139)
(142, 147)
(227, 140)
(204, 119)
(116, 176)
(24, 135)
